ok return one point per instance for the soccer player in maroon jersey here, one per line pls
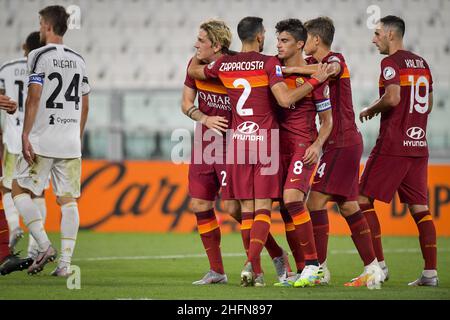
(300, 147)
(337, 175)
(206, 178)
(251, 78)
(399, 160)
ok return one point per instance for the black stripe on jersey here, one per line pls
(36, 59)
(12, 63)
(71, 51)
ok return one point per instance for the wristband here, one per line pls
(314, 82)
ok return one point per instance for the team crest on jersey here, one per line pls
(388, 73)
(299, 81)
(278, 71)
(211, 65)
(326, 92)
(334, 59)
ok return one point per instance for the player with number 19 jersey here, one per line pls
(62, 74)
(399, 160)
(248, 77)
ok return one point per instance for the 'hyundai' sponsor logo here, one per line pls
(248, 127)
(415, 133)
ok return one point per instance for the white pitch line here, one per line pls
(232, 255)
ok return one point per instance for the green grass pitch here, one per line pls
(162, 266)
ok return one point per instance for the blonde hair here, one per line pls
(218, 33)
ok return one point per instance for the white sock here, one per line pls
(40, 203)
(382, 264)
(373, 263)
(429, 273)
(33, 248)
(324, 264)
(32, 219)
(70, 222)
(11, 213)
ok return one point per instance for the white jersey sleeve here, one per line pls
(62, 74)
(13, 79)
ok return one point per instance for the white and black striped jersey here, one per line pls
(13, 79)
(62, 74)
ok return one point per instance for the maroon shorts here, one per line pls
(296, 175)
(384, 175)
(247, 181)
(338, 173)
(205, 181)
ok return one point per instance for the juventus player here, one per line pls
(13, 80)
(55, 115)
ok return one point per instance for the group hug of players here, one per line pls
(275, 101)
(46, 97)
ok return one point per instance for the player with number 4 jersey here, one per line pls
(399, 160)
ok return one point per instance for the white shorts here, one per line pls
(9, 161)
(65, 174)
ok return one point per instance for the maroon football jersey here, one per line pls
(298, 123)
(345, 133)
(403, 128)
(248, 77)
(212, 101)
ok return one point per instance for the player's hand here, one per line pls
(27, 150)
(216, 123)
(312, 154)
(366, 114)
(6, 103)
(321, 74)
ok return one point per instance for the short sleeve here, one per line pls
(337, 59)
(390, 73)
(321, 97)
(274, 71)
(430, 79)
(85, 86)
(212, 69)
(189, 81)
(36, 68)
(2, 79)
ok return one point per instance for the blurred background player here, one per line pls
(205, 180)
(399, 160)
(337, 175)
(300, 147)
(251, 78)
(13, 82)
(9, 262)
(55, 116)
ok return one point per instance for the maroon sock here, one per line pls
(209, 231)
(361, 237)
(246, 226)
(4, 235)
(375, 229)
(258, 237)
(272, 247)
(304, 231)
(321, 229)
(292, 239)
(427, 238)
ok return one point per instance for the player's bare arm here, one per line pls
(189, 109)
(286, 97)
(31, 109)
(7, 104)
(196, 69)
(430, 102)
(390, 99)
(312, 154)
(84, 114)
(333, 69)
